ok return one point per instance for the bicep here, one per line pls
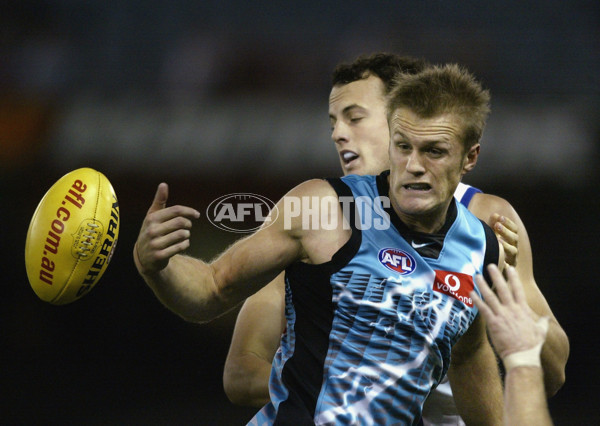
(484, 206)
(254, 261)
(535, 298)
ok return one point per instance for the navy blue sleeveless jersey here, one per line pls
(369, 333)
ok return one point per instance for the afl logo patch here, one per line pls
(397, 260)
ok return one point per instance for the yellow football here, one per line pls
(72, 236)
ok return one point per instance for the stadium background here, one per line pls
(229, 96)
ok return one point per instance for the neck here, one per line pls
(428, 222)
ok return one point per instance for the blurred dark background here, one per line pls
(229, 96)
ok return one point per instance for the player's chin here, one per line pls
(415, 197)
(352, 169)
(415, 211)
(415, 206)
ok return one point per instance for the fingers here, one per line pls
(165, 232)
(160, 202)
(160, 198)
(484, 288)
(507, 232)
(506, 228)
(490, 299)
(502, 289)
(485, 307)
(512, 325)
(510, 252)
(173, 217)
(161, 251)
(160, 213)
(516, 287)
(168, 234)
(507, 292)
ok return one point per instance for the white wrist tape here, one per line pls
(528, 358)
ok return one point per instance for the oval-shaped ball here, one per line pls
(72, 236)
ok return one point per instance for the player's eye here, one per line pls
(402, 146)
(436, 152)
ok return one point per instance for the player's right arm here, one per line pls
(198, 291)
(256, 337)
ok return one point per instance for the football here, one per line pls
(72, 236)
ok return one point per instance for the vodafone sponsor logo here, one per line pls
(397, 260)
(454, 284)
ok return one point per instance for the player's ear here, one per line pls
(471, 158)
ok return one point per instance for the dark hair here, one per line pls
(440, 90)
(383, 65)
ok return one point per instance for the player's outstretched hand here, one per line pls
(512, 325)
(165, 232)
(507, 232)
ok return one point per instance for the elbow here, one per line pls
(230, 389)
(194, 318)
(205, 314)
(244, 384)
(204, 310)
(554, 366)
(233, 394)
(553, 382)
(233, 389)
(190, 314)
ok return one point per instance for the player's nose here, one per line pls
(414, 163)
(339, 132)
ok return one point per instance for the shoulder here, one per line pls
(311, 188)
(464, 193)
(494, 252)
(485, 205)
(310, 202)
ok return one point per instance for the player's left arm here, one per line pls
(555, 351)
(478, 401)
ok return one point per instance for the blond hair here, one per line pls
(443, 89)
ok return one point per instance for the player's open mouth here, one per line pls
(417, 186)
(348, 156)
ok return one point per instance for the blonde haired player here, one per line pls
(377, 315)
(357, 111)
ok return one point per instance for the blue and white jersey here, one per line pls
(464, 193)
(369, 333)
